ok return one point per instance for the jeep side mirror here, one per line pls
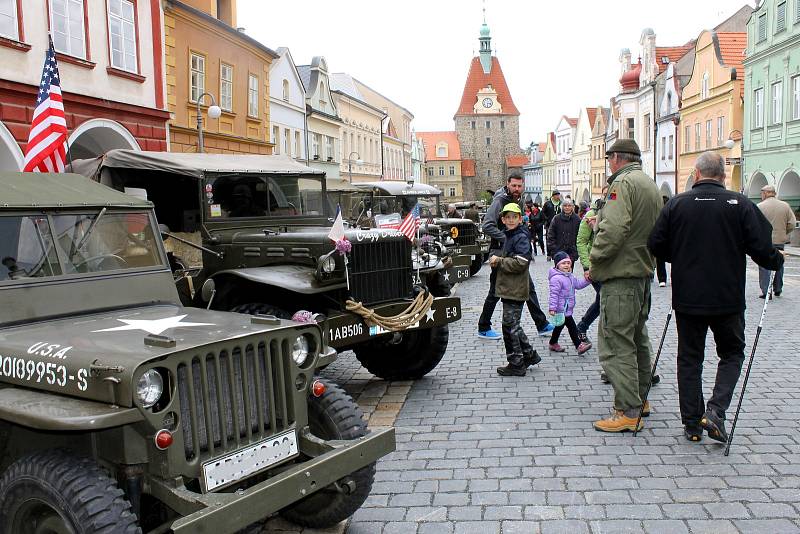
(208, 291)
(163, 229)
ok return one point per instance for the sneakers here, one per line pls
(656, 380)
(555, 347)
(693, 432)
(714, 425)
(547, 330)
(662, 284)
(604, 378)
(511, 370)
(531, 358)
(490, 334)
(583, 347)
(584, 338)
(777, 293)
(618, 422)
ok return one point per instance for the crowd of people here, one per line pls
(705, 234)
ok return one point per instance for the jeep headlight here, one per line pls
(327, 265)
(300, 350)
(149, 388)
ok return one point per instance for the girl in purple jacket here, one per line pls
(562, 301)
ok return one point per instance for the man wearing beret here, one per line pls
(621, 261)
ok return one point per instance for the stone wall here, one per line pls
(503, 141)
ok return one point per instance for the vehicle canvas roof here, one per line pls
(397, 187)
(191, 163)
(60, 190)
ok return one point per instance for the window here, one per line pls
(452, 170)
(276, 140)
(441, 170)
(488, 125)
(646, 140)
(780, 17)
(697, 136)
(329, 147)
(663, 148)
(66, 23)
(777, 102)
(197, 76)
(315, 145)
(452, 191)
(226, 86)
(631, 128)
(720, 130)
(9, 27)
(758, 108)
(796, 95)
(252, 95)
(762, 27)
(797, 12)
(708, 134)
(472, 124)
(286, 90)
(122, 34)
(296, 152)
(502, 125)
(287, 139)
(704, 87)
(488, 141)
(323, 104)
(441, 151)
(430, 171)
(671, 146)
(488, 173)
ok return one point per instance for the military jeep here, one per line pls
(122, 411)
(458, 235)
(262, 226)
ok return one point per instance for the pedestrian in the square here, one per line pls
(705, 233)
(621, 262)
(512, 288)
(661, 265)
(563, 285)
(551, 208)
(537, 228)
(493, 227)
(584, 242)
(563, 232)
(781, 217)
(472, 213)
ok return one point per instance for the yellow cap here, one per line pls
(511, 207)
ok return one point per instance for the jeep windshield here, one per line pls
(391, 208)
(39, 245)
(238, 196)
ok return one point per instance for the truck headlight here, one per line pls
(300, 350)
(149, 388)
(327, 265)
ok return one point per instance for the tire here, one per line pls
(476, 265)
(55, 487)
(257, 308)
(334, 415)
(416, 354)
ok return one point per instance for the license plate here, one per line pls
(240, 464)
(378, 330)
(472, 257)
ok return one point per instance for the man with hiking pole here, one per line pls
(705, 233)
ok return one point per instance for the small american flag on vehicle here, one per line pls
(410, 224)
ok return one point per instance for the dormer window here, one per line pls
(441, 150)
(286, 90)
(665, 60)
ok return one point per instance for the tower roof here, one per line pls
(477, 80)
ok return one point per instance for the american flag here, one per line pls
(47, 141)
(410, 224)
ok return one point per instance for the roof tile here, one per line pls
(477, 80)
(517, 160)
(468, 167)
(431, 139)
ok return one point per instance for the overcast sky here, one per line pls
(556, 55)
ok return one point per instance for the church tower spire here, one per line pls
(486, 45)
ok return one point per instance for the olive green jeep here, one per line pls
(121, 411)
(260, 228)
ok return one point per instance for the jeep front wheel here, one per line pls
(57, 492)
(334, 416)
(405, 355)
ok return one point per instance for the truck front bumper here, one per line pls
(223, 513)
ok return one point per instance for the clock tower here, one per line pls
(486, 122)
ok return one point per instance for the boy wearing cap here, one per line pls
(512, 288)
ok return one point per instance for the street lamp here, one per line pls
(214, 112)
(359, 161)
(730, 142)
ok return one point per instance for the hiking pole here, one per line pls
(652, 373)
(767, 298)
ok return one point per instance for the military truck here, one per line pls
(123, 411)
(458, 235)
(263, 227)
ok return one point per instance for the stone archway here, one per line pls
(11, 157)
(789, 189)
(586, 196)
(665, 190)
(95, 137)
(754, 185)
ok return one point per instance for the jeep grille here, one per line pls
(233, 397)
(380, 271)
(467, 232)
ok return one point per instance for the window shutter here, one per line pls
(762, 27)
(780, 22)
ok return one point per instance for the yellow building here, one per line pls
(598, 152)
(442, 168)
(205, 53)
(359, 133)
(549, 166)
(712, 107)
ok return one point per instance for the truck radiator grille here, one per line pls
(233, 396)
(467, 232)
(380, 271)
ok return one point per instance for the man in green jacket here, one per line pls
(620, 260)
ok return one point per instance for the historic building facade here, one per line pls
(549, 166)
(287, 107)
(581, 165)
(532, 171)
(565, 137)
(322, 118)
(667, 128)
(487, 121)
(442, 167)
(112, 84)
(598, 152)
(772, 102)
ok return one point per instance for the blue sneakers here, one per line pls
(547, 330)
(490, 334)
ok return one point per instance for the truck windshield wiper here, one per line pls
(88, 232)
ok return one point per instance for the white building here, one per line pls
(565, 136)
(581, 169)
(533, 173)
(287, 107)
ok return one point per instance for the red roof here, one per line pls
(477, 80)
(573, 121)
(674, 53)
(630, 80)
(431, 139)
(542, 147)
(517, 160)
(468, 167)
(591, 113)
(731, 47)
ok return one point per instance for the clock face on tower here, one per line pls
(487, 103)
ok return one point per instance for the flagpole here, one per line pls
(419, 252)
(66, 141)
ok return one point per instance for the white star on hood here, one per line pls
(155, 326)
(429, 314)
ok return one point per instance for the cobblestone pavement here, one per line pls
(481, 453)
